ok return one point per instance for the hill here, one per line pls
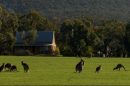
(117, 9)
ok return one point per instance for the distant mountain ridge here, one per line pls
(111, 9)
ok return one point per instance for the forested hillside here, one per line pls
(112, 9)
(103, 34)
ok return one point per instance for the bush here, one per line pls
(23, 53)
(89, 51)
(5, 52)
(67, 51)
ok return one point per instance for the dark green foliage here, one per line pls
(8, 27)
(127, 38)
(81, 36)
(117, 9)
(113, 33)
(75, 35)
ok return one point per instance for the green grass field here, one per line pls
(60, 71)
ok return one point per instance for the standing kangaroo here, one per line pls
(79, 66)
(25, 66)
(98, 69)
(119, 66)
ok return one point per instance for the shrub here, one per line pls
(23, 52)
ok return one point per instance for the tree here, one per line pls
(113, 38)
(29, 36)
(127, 38)
(75, 35)
(33, 22)
(8, 27)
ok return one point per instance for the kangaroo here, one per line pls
(7, 66)
(25, 66)
(119, 66)
(98, 69)
(79, 66)
(13, 68)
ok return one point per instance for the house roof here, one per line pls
(42, 38)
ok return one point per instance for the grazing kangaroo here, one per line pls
(25, 66)
(1, 67)
(7, 66)
(79, 66)
(13, 68)
(98, 69)
(119, 66)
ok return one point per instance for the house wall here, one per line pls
(30, 50)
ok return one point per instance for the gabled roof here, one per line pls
(42, 38)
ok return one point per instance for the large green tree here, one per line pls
(8, 27)
(75, 37)
(33, 22)
(113, 38)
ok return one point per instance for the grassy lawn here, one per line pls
(60, 71)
